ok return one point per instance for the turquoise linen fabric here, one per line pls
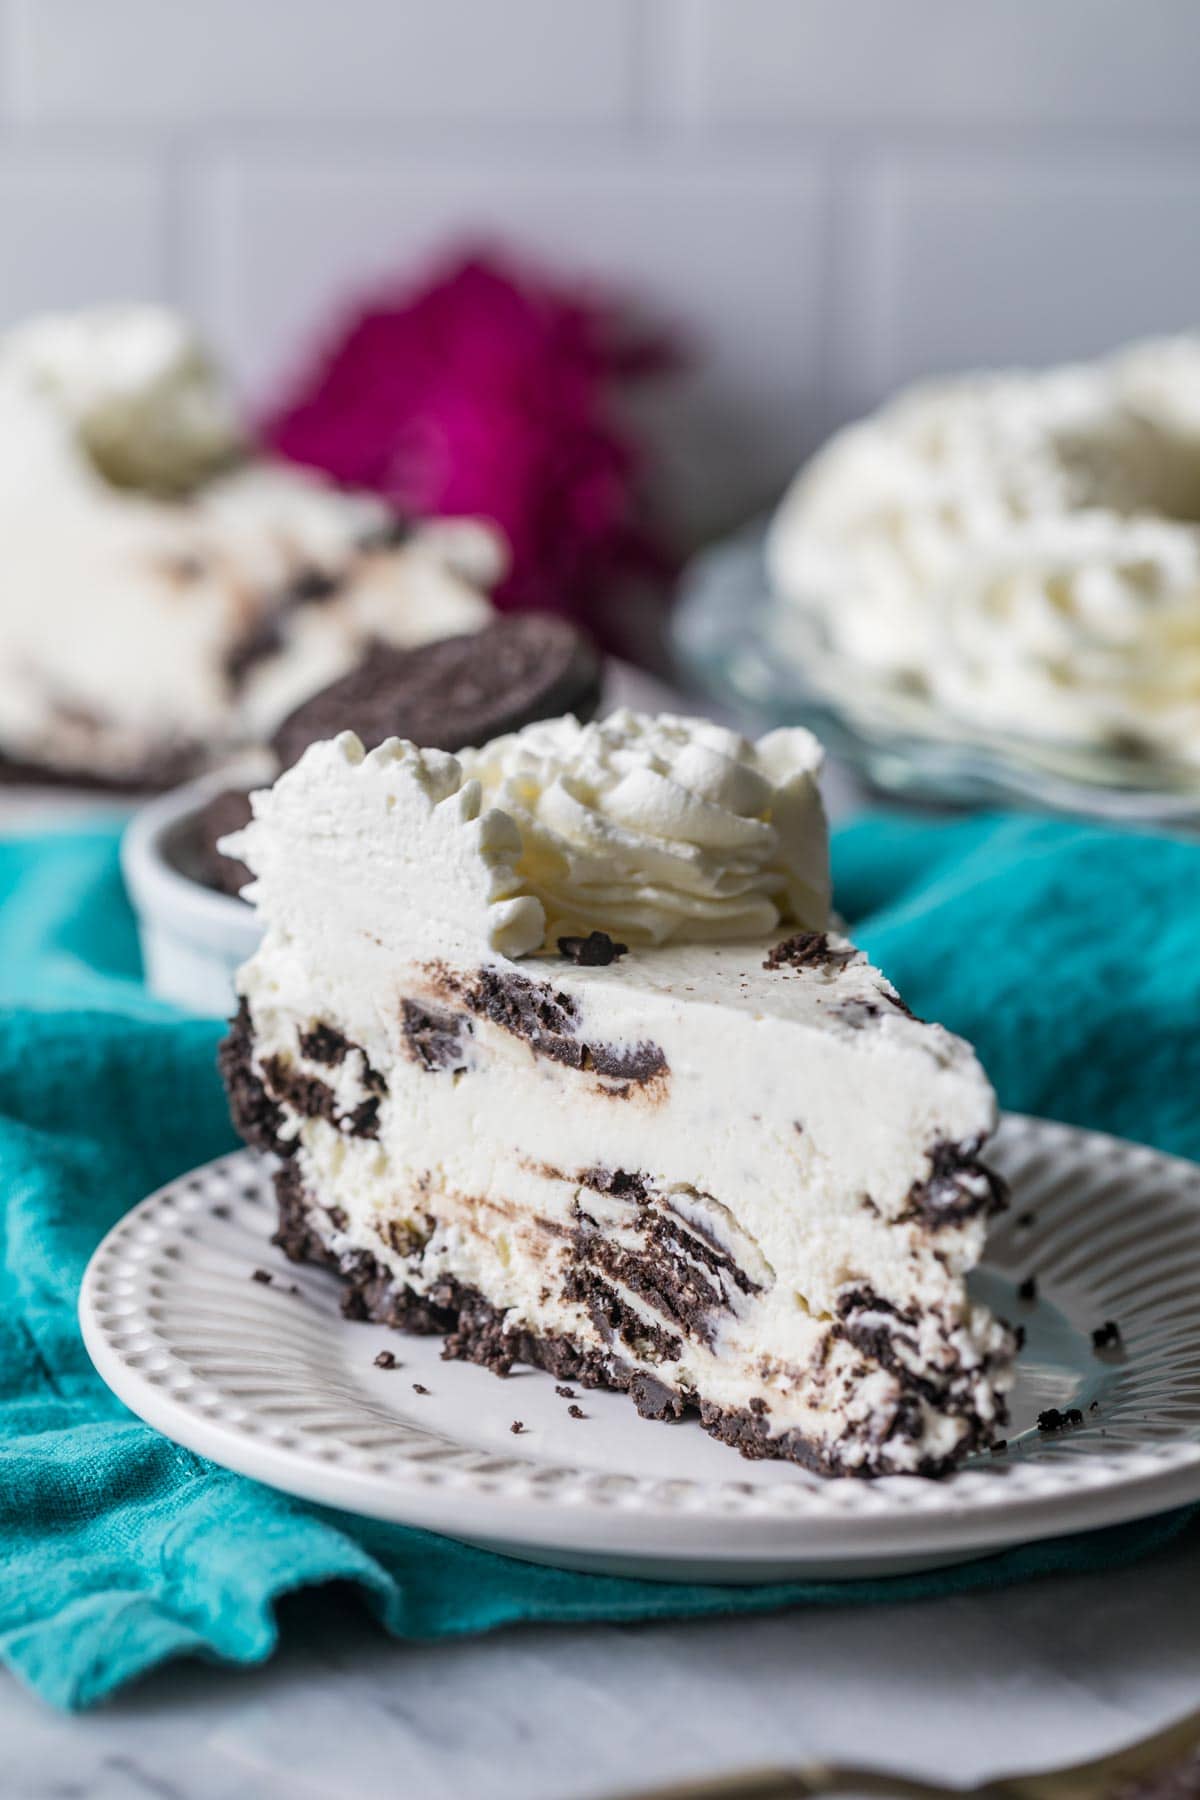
(1070, 955)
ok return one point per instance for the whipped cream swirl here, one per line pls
(662, 829)
(1021, 549)
(166, 596)
(151, 409)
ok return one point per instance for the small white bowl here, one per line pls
(193, 938)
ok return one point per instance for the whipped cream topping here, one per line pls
(149, 406)
(660, 829)
(167, 599)
(1023, 548)
(441, 870)
(652, 829)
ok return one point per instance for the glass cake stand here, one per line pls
(774, 665)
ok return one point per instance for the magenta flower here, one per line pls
(490, 391)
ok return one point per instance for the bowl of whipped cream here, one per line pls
(987, 590)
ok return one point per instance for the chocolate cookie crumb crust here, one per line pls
(682, 1287)
(468, 1216)
(475, 1332)
(258, 1117)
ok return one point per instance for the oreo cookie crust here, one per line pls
(458, 691)
(647, 1280)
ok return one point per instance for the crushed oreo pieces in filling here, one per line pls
(548, 1021)
(958, 1186)
(595, 951)
(809, 950)
(436, 1038)
(856, 1012)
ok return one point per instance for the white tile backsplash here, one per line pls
(956, 62)
(217, 60)
(830, 195)
(1013, 260)
(733, 254)
(76, 229)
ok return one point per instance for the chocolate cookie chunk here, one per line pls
(455, 692)
(443, 696)
(225, 812)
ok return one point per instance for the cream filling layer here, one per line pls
(495, 1152)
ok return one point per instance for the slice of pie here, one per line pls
(560, 1058)
(169, 595)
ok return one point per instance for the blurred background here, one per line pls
(828, 197)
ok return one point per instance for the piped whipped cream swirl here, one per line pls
(168, 597)
(662, 829)
(150, 407)
(1023, 549)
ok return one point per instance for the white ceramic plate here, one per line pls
(271, 1381)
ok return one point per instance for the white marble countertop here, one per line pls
(957, 1690)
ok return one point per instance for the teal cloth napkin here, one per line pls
(1069, 954)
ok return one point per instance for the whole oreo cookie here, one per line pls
(443, 696)
(455, 692)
